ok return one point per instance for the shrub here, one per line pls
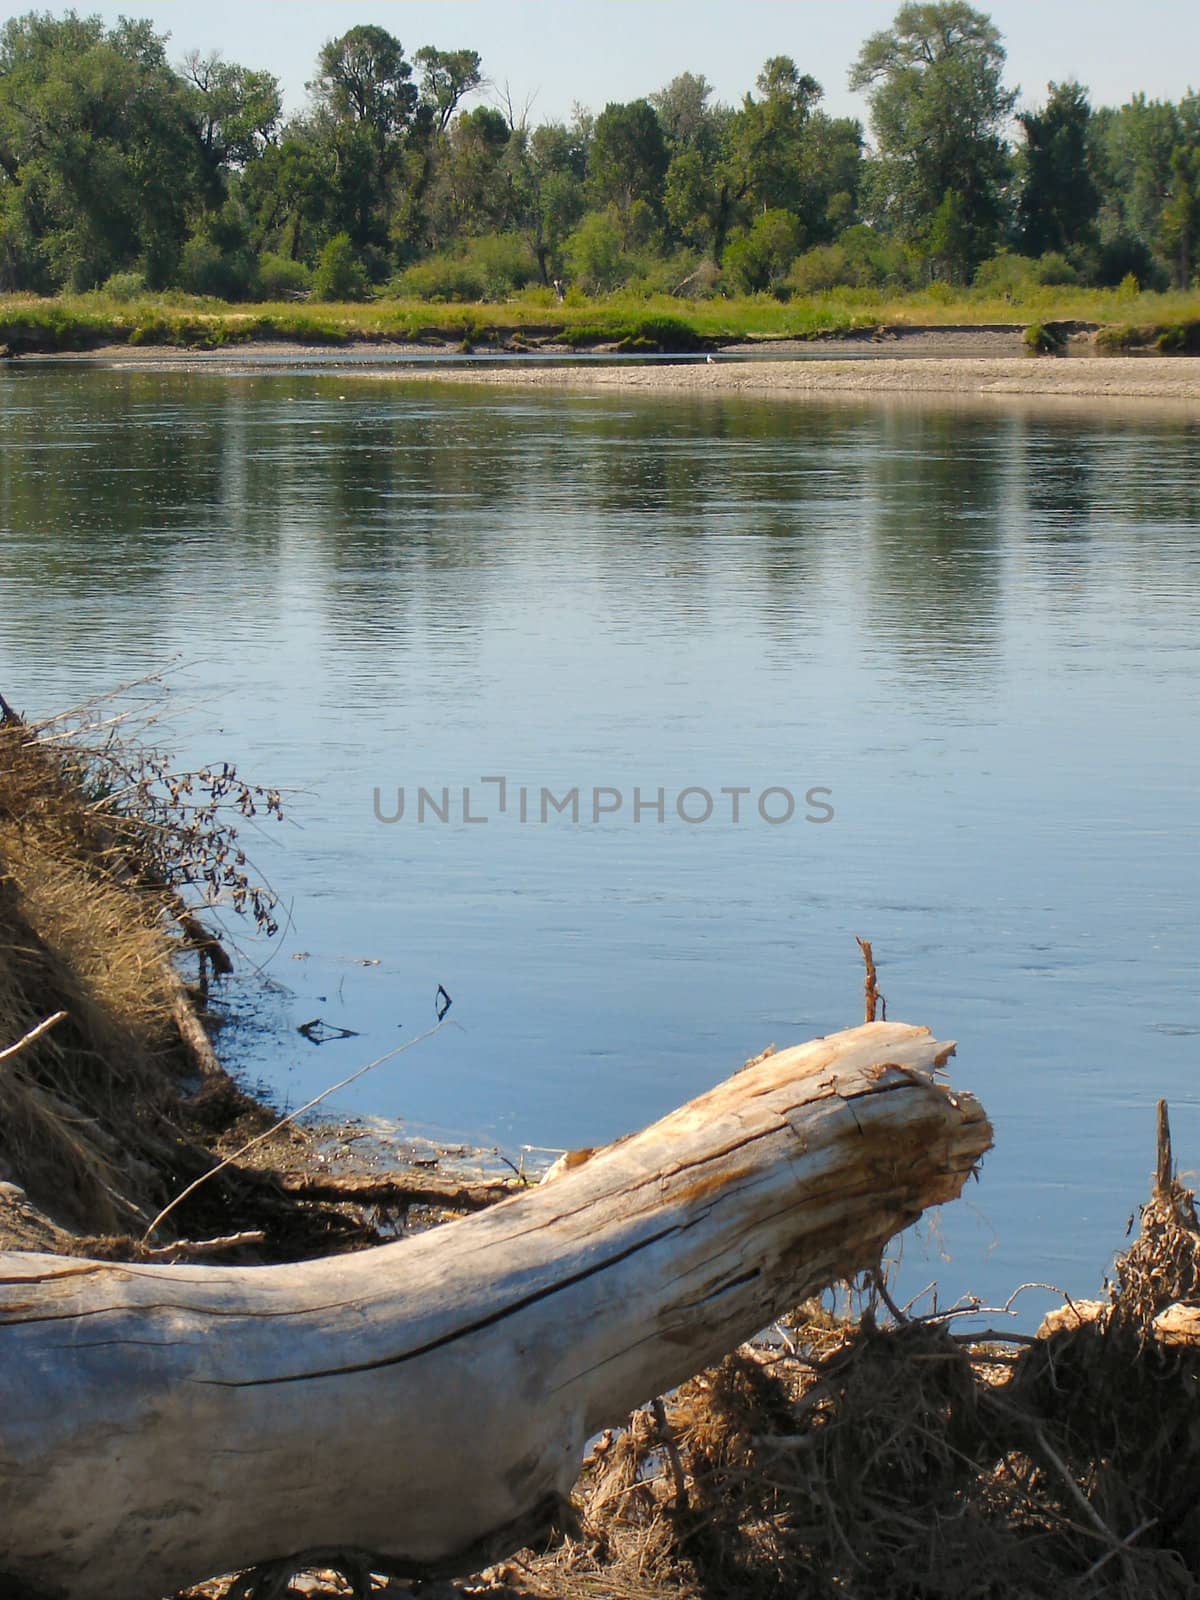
(281, 278)
(859, 259)
(504, 263)
(826, 267)
(206, 269)
(661, 333)
(443, 277)
(124, 286)
(1005, 274)
(760, 258)
(1054, 268)
(492, 266)
(595, 256)
(339, 274)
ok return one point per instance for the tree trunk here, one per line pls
(425, 1405)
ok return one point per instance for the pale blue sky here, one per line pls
(593, 51)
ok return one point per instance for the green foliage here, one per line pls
(206, 269)
(363, 78)
(124, 287)
(1005, 274)
(490, 267)
(759, 259)
(1059, 200)
(646, 332)
(442, 277)
(1179, 339)
(79, 323)
(446, 77)
(938, 110)
(96, 138)
(112, 161)
(234, 110)
(627, 161)
(595, 255)
(1018, 277)
(339, 274)
(860, 259)
(280, 278)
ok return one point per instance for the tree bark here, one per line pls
(424, 1406)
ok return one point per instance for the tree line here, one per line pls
(121, 169)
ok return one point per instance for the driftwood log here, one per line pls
(422, 1408)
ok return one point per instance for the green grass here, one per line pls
(1169, 322)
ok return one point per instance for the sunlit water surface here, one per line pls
(976, 629)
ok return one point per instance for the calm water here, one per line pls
(976, 629)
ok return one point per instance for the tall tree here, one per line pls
(447, 77)
(627, 161)
(546, 168)
(1059, 200)
(98, 155)
(1179, 226)
(687, 119)
(365, 103)
(777, 152)
(364, 78)
(1142, 153)
(235, 112)
(934, 81)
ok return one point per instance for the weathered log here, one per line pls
(424, 1406)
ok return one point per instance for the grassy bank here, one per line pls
(82, 322)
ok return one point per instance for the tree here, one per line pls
(760, 258)
(363, 78)
(100, 163)
(545, 170)
(469, 193)
(1059, 199)
(235, 110)
(938, 109)
(767, 134)
(1141, 152)
(365, 106)
(289, 192)
(1179, 226)
(687, 120)
(628, 158)
(782, 153)
(594, 252)
(447, 76)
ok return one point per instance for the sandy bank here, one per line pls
(1113, 378)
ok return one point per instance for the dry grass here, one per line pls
(76, 935)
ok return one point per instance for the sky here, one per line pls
(554, 53)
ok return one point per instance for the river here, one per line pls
(941, 660)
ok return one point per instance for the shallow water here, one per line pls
(976, 629)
